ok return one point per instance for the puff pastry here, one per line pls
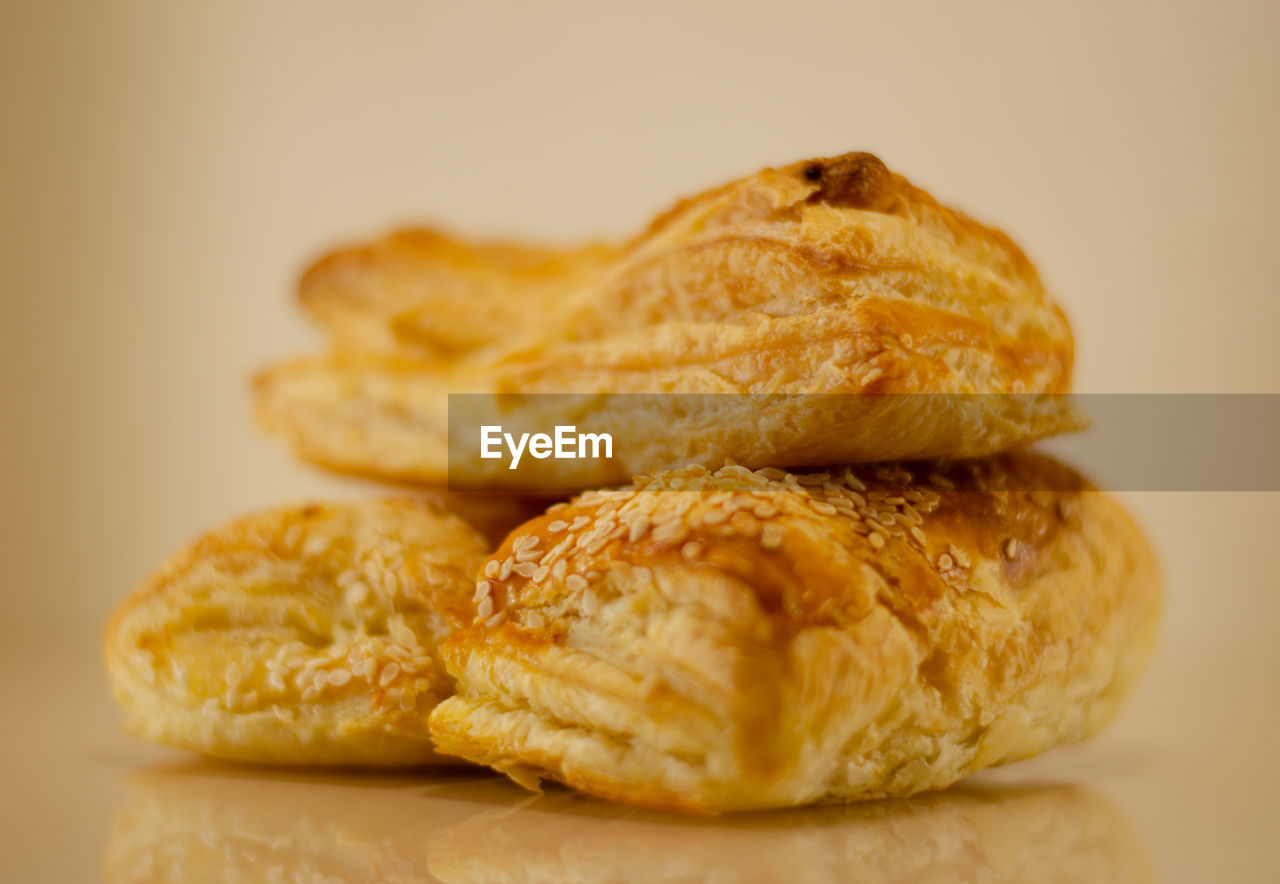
(829, 276)
(718, 641)
(305, 635)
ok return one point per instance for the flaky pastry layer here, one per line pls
(826, 276)
(305, 635)
(729, 640)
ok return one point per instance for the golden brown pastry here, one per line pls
(719, 641)
(427, 295)
(831, 276)
(305, 635)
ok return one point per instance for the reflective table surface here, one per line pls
(1180, 788)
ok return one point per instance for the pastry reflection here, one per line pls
(205, 823)
(1040, 833)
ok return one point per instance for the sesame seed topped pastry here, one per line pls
(305, 635)
(710, 641)
(828, 276)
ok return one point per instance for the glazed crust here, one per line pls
(305, 635)
(719, 641)
(825, 276)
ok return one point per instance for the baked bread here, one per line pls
(719, 641)
(305, 635)
(830, 276)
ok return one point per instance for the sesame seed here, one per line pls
(482, 591)
(389, 673)
(491, 568)
(315, 546)
(877, 541)
(557, 526)
(822, 507)
(1011, 548)
(691, 551)
(579, 523)
(590, 604)
(669, 533)
(339, 677)
(771, 536)
(356, 593)
(485, 608)
(496, 618)
(918, 534)
(525, 569)
(639, 527)
(944, 562)
(505, 570)
(575, 582)
(408, 700)
(557, 550)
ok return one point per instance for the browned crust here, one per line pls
(941, 618)
(832, 275)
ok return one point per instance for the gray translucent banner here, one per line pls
(1139, 442)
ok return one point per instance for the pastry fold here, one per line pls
(711, 641)
(305, 635)
(828, 276)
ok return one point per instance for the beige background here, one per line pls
(168, 169)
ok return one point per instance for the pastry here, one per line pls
(438, 298)
(305, 635)
(711, 641)
(831, 276)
